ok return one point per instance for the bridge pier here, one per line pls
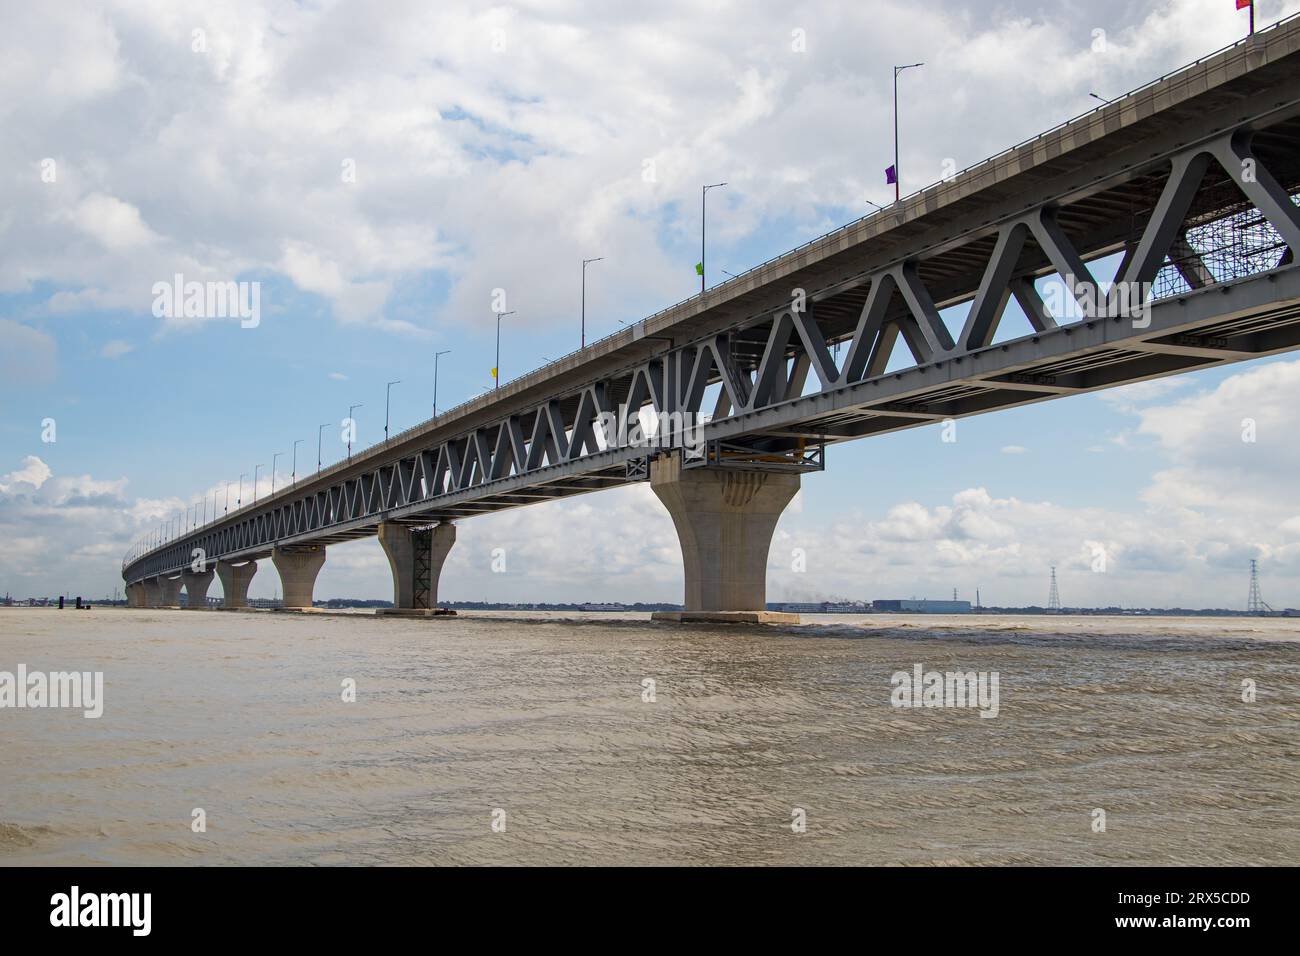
(135, 595)
(725, 518)
(416, 559)
(169, 592)
(196, 588)
(298, 570)
(152, 592)
(235, 579)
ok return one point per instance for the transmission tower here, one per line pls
(1255, 603)
(1053, 596)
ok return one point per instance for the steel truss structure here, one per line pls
(1189, 184)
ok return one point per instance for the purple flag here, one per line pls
(891, 176)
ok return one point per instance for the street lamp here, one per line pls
(352, 426)
(1097, 96)
(898, 178)
(293, 475)
(319, 433)
(704, 195)
(876, 204)
(585, 263)
(435, 379)
(239, 502)
(226, 509)
(388, 392)
(255, 483)
(496, 369)
(278, 454)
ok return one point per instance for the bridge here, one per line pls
(1188, 182)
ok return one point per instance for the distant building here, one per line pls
(820, 607)
(913, 606)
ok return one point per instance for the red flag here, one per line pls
(1243, 4)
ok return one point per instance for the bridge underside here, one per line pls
(903, 320)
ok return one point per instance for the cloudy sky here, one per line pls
(381, 168)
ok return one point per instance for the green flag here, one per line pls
(699, 268)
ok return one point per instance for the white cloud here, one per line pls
(116, 348)
(33, 472)
(115, 224)
(501, 168)
(1013, 449)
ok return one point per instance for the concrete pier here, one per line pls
(416, 559)
(235, 579)
(725, 519)
(298, 570)
(152, 592)
(169, 592)
(196, 588)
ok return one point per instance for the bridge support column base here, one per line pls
(135, 595)
(726, 617)
(152, 592)
(169, 590)
(725, 518)
(416, 559)
(414, 612)
(196, 588)
(235, 579)
(298, 570)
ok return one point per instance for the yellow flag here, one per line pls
(494, 374)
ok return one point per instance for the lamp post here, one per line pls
(278, 454)
(436, 355)
(496, 369)
(388, 392)
(293, 475)
(1098, 96)
(585, 263)
(352, 426)
(226, 508)
(319, 434)
(255, 483)
(704, 195)
(898, 177)
(239, 502)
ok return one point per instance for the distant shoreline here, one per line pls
(800, 608)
